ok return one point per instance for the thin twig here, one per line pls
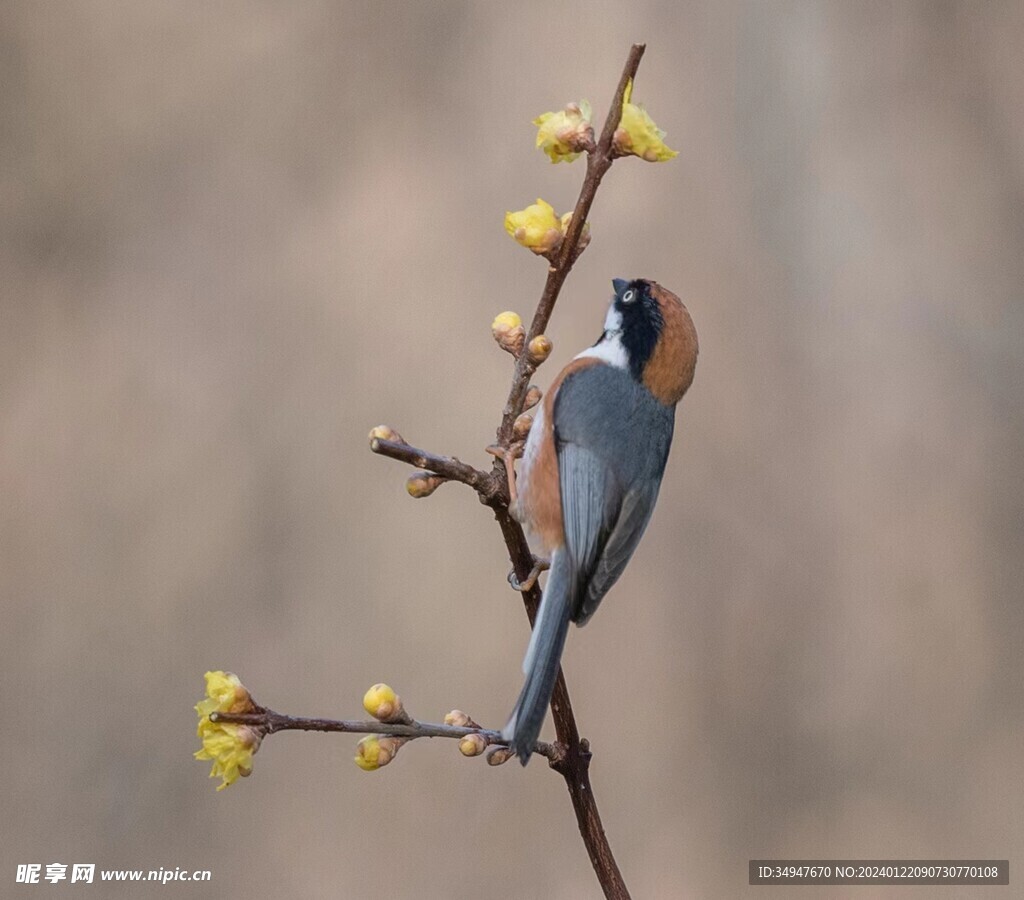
(269, 722)
(447, 466)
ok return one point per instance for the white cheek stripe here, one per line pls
(610, 350)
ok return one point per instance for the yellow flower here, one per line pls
(563, 135)
(230, 746)
(638, 135)
(537, 227)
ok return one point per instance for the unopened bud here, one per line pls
(368, 753)
(521, 426)
(533, 397)
(381, 702)
(423, 484)
(584, 238)
(507, 329)
(459, 719)
(376, 750)
(540, 349)
(385, 433)
(473, 745)
(497, 756)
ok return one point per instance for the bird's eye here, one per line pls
(629, 296)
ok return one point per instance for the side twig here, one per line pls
(269, 722)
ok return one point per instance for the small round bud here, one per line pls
(472, 745)
(385, 433)
(533, 397)
(423, 484)
(381, 702)
(497, 756)
(459, 719)
(521, 426)
(507, 329)
(540, 349)
(368, 753)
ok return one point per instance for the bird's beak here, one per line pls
(620, 284)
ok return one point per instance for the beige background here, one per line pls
(235, 237)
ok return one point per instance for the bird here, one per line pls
(590, 472)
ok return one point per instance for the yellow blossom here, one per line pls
(230, 746)
(638, 135)
(564, 134)
(537, 227)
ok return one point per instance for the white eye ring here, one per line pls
(629, 296)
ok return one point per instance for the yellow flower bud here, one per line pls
(385, 433)
(637, 135)
(497, 756)
(473, 745)
(563, 135)
(540, 349)
(537, 228)
(423, 484)
(533, 397)
(521, 426)
(507, 329)
(368, 753)
(381, 702)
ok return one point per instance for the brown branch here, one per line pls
(446, 466)
(572, 761)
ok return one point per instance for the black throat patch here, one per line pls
(641, 327)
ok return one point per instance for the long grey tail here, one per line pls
(542, 658)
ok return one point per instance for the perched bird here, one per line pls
(591, 469)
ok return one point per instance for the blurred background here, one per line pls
(235, 237)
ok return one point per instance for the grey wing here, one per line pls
(634, 514)
(590, 506)
(598, 454)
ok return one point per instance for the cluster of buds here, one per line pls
(541, 231)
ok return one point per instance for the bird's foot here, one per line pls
(539, 565)
(508, 456)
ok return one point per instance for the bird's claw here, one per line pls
(539, 565)
(508, 456)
